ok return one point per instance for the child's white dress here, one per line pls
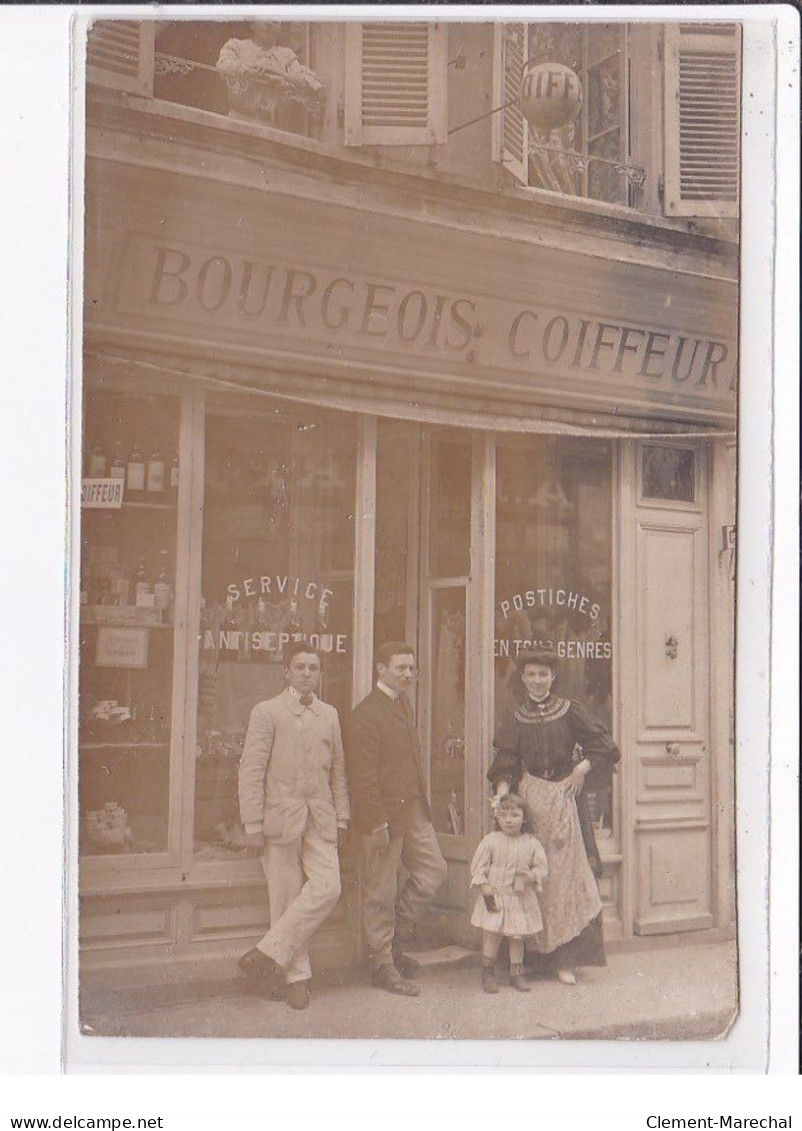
(497, 861)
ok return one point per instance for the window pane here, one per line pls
(604, 180)
(450, 491)
(554, 571)
(604, 96)
(278, 547)
(448, 711)
(394, 484)
(126, 627)
(669, 473)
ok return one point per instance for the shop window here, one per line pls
(277, 566)
(126, 639)
(184, 62)
(702, 119)
(554, 577)
(395, 83)
(668, 474)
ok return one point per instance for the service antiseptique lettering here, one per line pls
(329, 306)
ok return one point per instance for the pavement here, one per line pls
(680, 993)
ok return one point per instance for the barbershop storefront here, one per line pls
(331, 418)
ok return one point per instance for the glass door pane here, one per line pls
(447, 485)
(447, 739)
(278, 559)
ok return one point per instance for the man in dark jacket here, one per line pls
(391, 811)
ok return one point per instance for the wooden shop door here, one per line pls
(670, 728)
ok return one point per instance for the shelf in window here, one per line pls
(93, 623)
(123, 745)
(144, 505)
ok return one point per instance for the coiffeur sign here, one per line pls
(343, 314)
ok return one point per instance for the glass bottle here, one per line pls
(174, 475)
(117, 469)
(294, 625)
(96, 464)
(141, 582)
(155, 473)
(162, 589)
(135, 472)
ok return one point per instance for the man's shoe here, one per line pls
(264, 975)
(298, 994)
(388, 978)
(407, 967)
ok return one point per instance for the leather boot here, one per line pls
(489, 983)
(517, 978)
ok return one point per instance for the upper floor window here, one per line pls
(608, 151)
(259, 71)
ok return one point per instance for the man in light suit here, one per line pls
(294, 806)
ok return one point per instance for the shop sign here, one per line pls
(106, 494)
(508, 649)
(560, 602)
(550, 598)
(119, 647)
(241, 640)
(340, 313)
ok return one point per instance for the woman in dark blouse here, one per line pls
(537, 756)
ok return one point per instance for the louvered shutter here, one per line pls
(120, 55)
(510, 128)
(702, 119)
(395, 84)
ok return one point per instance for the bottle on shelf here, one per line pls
(162, 589)
(294, 625)
(155, 475)
(135, 473)
(141, 580)
(96, 464)
(174, 475)
(117, 468)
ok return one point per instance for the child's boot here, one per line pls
(489, 983)
(517, 978)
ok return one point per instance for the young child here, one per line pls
(509, 868)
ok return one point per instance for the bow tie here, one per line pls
(307, 700)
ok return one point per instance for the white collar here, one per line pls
(388, 691)
(297, 695)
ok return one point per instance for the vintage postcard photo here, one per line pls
(405, 566)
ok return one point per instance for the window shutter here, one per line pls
(702, 119)
(120, 55)
(510, 128)
(395, 84)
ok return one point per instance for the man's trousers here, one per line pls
(419, 852)
(303, 881)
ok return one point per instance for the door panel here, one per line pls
(668, 559)
(671, 794)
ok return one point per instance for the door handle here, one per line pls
(672, 748)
